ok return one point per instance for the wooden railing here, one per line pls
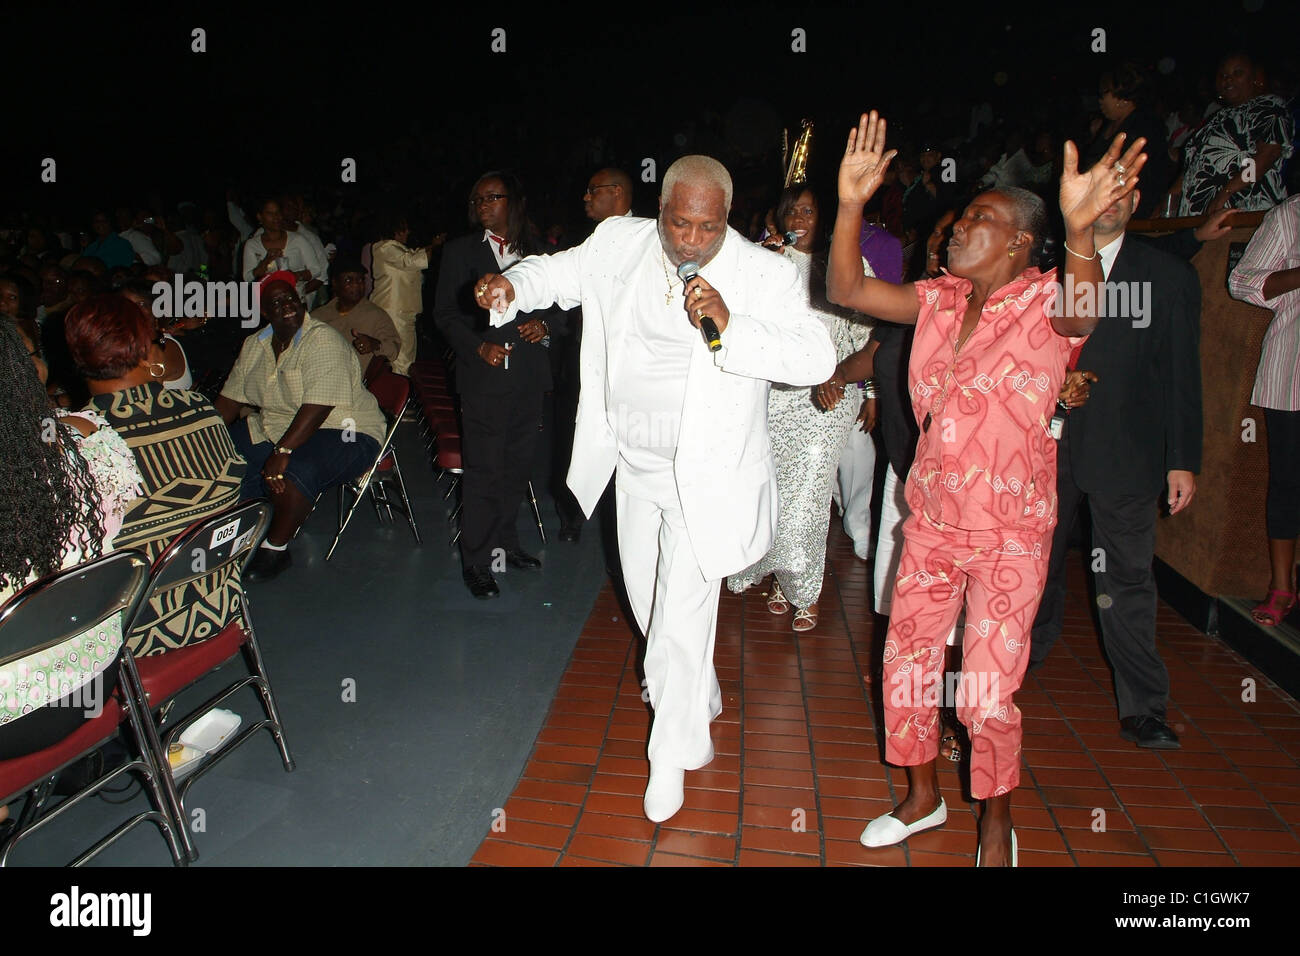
(1219, 543)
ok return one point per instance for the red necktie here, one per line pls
(501, 245)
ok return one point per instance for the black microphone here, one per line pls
(708, 328)
(789, 238)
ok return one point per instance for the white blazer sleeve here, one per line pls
(542, 281)
(782, 341)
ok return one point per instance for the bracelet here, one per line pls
(281, 450)
(1073, 253)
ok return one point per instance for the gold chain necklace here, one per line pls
(668, 296)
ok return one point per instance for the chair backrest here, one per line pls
(391, 391)
(59, 607)
(207, 546)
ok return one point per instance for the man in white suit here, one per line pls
(684, 428)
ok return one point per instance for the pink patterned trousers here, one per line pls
(999, 577)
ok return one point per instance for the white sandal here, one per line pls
(775, 596)
(802, 614)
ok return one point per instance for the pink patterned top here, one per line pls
(987, 460)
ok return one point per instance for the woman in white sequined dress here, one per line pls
(808, 429)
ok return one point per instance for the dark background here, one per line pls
(415, 95)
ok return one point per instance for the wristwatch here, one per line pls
(281, 450)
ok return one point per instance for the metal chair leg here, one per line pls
(537, 512)
(406, 502)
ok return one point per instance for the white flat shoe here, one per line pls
(889, 830)
(665, 794)
(1015, 851)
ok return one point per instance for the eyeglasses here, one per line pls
(592, 189)
(477, 201)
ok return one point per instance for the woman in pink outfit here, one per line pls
(987, 363)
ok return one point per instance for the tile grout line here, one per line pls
(1287, 828)
(609, 721)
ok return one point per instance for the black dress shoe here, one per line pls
(522, 561)
(480, 582)
(1149, 731)
(266, 564)
(570, 533)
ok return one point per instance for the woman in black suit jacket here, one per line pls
(502, 375)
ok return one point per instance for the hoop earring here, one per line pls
(162, 370)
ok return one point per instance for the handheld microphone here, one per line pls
(789, 238)
(708, 328)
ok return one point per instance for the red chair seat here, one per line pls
(165, 675)
(17, 774)
(449, 453)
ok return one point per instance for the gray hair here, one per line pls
(1031, 217)
(698, 170)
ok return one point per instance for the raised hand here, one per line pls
(1085, 196)
(863, 167)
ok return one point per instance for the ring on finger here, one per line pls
(1119, 167)
(1121, 180)
(698, 292)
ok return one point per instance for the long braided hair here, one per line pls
(47, 494)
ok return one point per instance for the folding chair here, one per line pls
(224, 541)
(393, 392)
(48, 613)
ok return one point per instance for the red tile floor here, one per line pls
(798, 771)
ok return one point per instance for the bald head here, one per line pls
(608, 193)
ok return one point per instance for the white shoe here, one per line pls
(666, 792)
(1015, 851)
(889, 830)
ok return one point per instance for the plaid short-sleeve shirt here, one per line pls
(318, 368)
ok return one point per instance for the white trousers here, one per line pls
(889, 546)
(853, 486)
(676, 608)
(405, 324)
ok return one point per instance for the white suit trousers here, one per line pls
(677, 610)
(404, 322)
(853, 486)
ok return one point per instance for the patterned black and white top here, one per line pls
(1214, 154)
(191, 470)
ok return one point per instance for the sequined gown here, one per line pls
(806, 446)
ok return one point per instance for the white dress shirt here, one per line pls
(505, 256)
(1109, 252)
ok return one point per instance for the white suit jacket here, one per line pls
(725, 476)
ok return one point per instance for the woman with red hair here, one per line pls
(190, 467)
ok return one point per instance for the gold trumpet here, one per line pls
(796, 161)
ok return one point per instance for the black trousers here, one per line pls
(1123, 548)
(564, 372)
(498, 443)
(1282, 507)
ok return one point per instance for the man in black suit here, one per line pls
(1139, 432)
(502, 375)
